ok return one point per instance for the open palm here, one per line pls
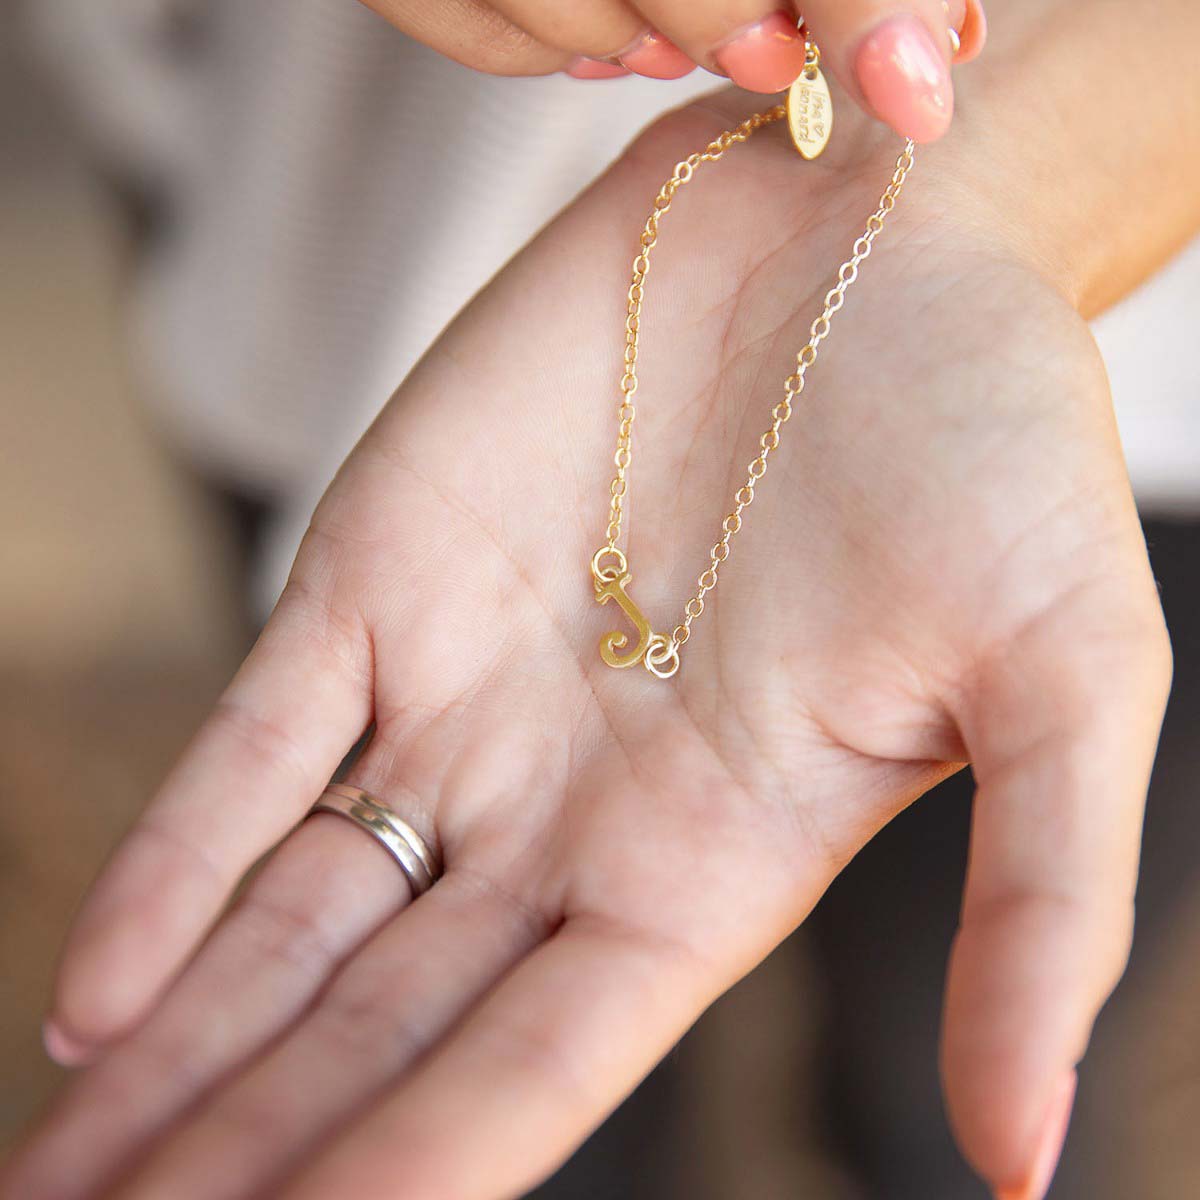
(942, 565)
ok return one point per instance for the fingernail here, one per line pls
(64, 1049)
(655, 57)
(1050, 1145)
(972, 34)
(906, 78)
(954, 13)
(593, 68)
(967, 27)
(764, 57)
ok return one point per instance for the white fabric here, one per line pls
(1154, 368)
(340, 192)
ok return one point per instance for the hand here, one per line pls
(892, 56)
(943, 563)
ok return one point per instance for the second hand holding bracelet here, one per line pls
(810, 118)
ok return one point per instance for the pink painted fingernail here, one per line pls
(1050, 1146)
(63, 1048)
(764, 57)
(656, 57)
(967, 28)
(593, 68)
(972, 33)
(906, 78)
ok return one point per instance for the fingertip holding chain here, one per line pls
(660, 653)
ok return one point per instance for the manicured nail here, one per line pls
(955, 14)
(1050, 1146)
(764, 57)
(656, 57)
(64, 1049)
(593, 68)
(906, 78)
(972, 33)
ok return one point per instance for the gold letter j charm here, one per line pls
(612, 643)
(657, 654)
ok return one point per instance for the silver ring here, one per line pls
(410, 850)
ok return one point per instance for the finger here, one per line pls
(571, 1028)
(554, 1048)
(1062, 750)
(969, 21)
(295, 707)
(600, 28)
(473, 33)
(894, 57)
(606, 38)
(404, 990)
(757, 43)
(325, 890)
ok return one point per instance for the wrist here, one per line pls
(1068, 135)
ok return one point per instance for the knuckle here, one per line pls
(1112, 641)
(166, 1066)
(1138, 652)
(471, 32)
(1119, 943)
(601, 34)
(479, 891)
(291, 937)
(538, 1050)
(499, 47)
(1092, 927)
(367, 1016)
(1154, 644)
(261, 740)
(249, 1116)
(310, 612)
(163, 842)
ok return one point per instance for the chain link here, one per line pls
(641, 268)
(793, 385)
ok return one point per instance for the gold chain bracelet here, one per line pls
(809, 112)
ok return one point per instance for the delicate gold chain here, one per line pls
(609, 565)
(641, 268)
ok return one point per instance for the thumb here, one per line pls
(1062, 726)
(894, 56)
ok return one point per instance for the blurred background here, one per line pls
(209, 280)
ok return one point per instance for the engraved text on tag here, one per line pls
(810, 113)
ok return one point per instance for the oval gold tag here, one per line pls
(810, 113)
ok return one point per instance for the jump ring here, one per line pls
(662, 657)
(614, 570)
